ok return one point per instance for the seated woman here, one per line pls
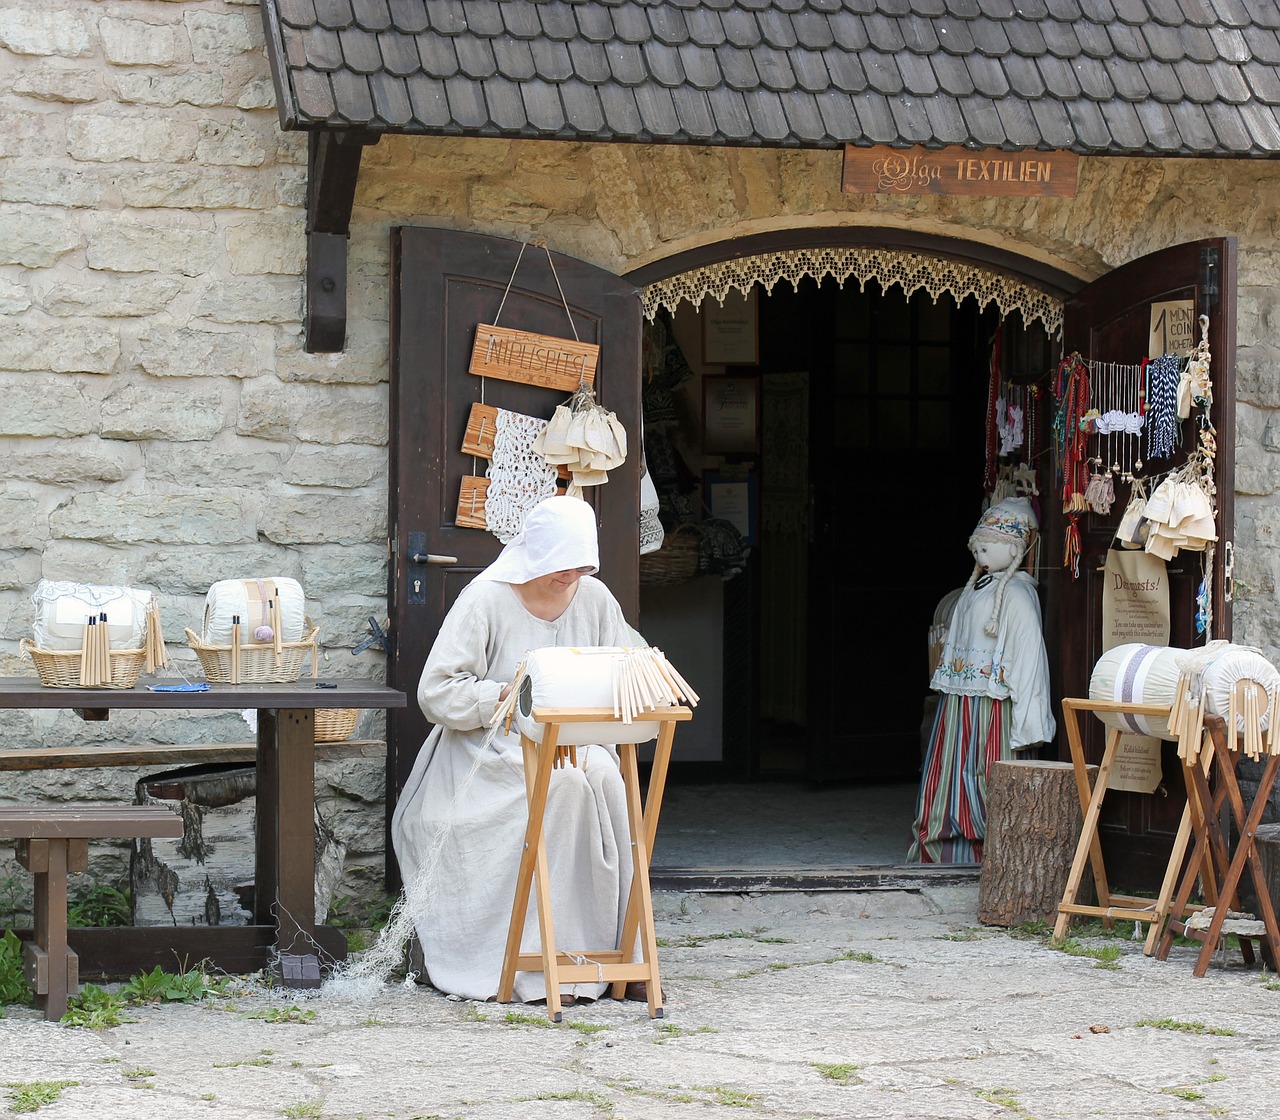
(459, 827)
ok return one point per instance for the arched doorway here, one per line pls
(871, 374)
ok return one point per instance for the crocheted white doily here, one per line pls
(519, 478)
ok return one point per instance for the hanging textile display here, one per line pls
(1071, 393)
(582, 439)
(585, 439)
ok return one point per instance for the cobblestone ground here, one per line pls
(877, 1005)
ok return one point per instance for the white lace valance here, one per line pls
(910, 271)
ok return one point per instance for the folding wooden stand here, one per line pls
(1223, 869)
(1089, 850)
(612, 964)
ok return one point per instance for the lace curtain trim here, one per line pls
(910, 271)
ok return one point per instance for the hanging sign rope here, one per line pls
(530, 358)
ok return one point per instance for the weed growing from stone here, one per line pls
(1104, 956)
(667, 1031)
(596, 1100)
(1185, 1094)
(244, 1062)
(694, 941)
(842, 1073)
(733, 1098)
(585, 1028)
(521, 1019)
(1191, 1027)
(291, 1014)
(472, 1014)
(159, 986)
(1003, 1097)
(13, 984)
(303, 1109)
(28, 1096)
(94, 1009)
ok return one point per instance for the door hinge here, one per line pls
(1209, 288)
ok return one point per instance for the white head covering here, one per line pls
(559, 533)
(1011, 522)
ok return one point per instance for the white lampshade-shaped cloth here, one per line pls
(626, 682)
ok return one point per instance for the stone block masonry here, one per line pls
(161, 423)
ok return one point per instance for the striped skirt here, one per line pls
(969, 736)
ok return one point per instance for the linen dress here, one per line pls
(458, 829)
(995, 700)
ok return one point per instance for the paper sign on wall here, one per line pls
(1173, 327)
(1135, 599)
(1137, 765)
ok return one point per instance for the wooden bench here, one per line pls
(52, 842)
(165, 754)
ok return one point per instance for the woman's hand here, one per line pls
(506, 691)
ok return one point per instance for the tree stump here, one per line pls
(1033, 827)
(1267, 844)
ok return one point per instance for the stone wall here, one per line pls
(161, 423)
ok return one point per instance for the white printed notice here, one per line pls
(1137, 765)
(1135, 600)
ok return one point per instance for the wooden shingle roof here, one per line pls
(1103, 77)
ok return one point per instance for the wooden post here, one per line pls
(1033, 825)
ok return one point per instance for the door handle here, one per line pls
(432, 558)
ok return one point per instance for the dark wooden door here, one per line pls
(443, 284)
(1109, 321)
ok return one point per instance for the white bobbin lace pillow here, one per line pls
(519, 478)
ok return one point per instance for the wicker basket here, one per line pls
(61, 668)
(676, 561)
(333, 725)
(257, 660)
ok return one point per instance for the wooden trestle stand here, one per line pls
(1089, 850)
(612, 964)
(1217, 868)
(1223, 868)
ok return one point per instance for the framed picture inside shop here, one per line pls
(730, 415)
(731, 330)
(732, 494)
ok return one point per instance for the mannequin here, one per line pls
(994, 684)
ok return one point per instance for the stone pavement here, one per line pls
(849, 1005)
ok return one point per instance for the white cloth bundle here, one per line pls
(63, 608)
(248, 598)
(1137, 674)
(1223, 664)
(624, 681)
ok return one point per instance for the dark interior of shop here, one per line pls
(870, 476)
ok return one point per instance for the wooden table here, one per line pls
(284, 897)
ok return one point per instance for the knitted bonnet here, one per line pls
(1011, 521)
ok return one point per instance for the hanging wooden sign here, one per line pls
(958, 170)
(471, 498)
(482, 422)
(477, 440)
(533, 359)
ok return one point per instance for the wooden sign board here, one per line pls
(477, 440)
(471, 499)
(533, 359)
(958, 170)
